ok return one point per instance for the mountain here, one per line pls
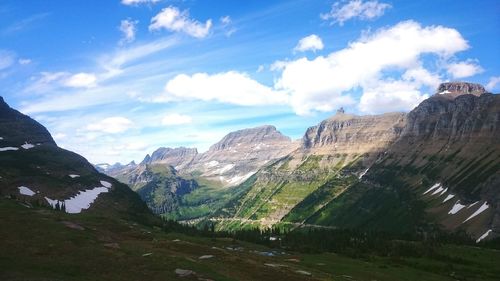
(437, 166)
(36, 171)
(206, 179)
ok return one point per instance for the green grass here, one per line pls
(37, 245)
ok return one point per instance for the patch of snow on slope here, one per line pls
(483, 236)
(211, 164)
(225, 169)
(448, 197)
(457, 207)
(106, 184)
(27, 145)
(1, 138)
(439, 190)
(52, 202)
(444, 191)
(444, 92)
(240, 179)
(472, 205)
(83, 200)
(478, 211)
(8, 148)
(432, 188)
(363, 173)
(74, 176)
(26, 191)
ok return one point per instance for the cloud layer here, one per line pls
(172, 19)
(355, 9)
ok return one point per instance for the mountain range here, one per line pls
(437, 166)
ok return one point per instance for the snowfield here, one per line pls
(74, 176)
(26, 191)
(457, 207)
(483, 236)
(83, 200)
(437, 185)
(106, 184)
(27, 145)
(478, 211)
(8, 148)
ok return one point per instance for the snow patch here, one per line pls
(478, 211)
(26, 191)
(211, 164)
(483, 236)
(83, 200)
(106, 184)
(444, 92)
(457, 207)
(225, 169)
(363, 173)
(8, 148)
(1, 138)
(240, 179)
(472, 205)
(27, 145)
(448, 197)
(74, 176)
(439, 190)
(432, 188)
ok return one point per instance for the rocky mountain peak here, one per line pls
(177, 157)
(455, 89)
(262, 134)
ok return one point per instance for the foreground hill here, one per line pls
(38, 172)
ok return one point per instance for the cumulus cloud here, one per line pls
(492, 84)
(227, 87)
(128, 28)
(137, 2)
(388, 96)
(111, 125)
(172, 19)
(464, 69)
(321, 84)
(175, 119)
(367, 10)
(309, 43)
(81, 80)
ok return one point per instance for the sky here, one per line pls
(114, 80)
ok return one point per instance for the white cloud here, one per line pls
(390, 96)
(309, 43)
(128, 28)
(227, 87)
(367, 10)
(24, 61)
(81, 80)
(225, 20)
(260, 68)
(6, 59)
(172, 19)
(321, 84)
(492, 84)
(175, 119)
(137, 2)
(111, 125)
(464, 69)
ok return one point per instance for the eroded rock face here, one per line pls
(241, 153)
(455, 89)
(178, 157)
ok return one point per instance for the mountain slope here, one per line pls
(35, 170)
(436, 167)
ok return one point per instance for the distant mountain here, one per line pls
(229, 162)
(36, 171)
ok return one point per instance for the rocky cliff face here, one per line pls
(178, 157)
(455, 89)
(240, 154)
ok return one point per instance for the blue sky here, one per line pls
(113, 80)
